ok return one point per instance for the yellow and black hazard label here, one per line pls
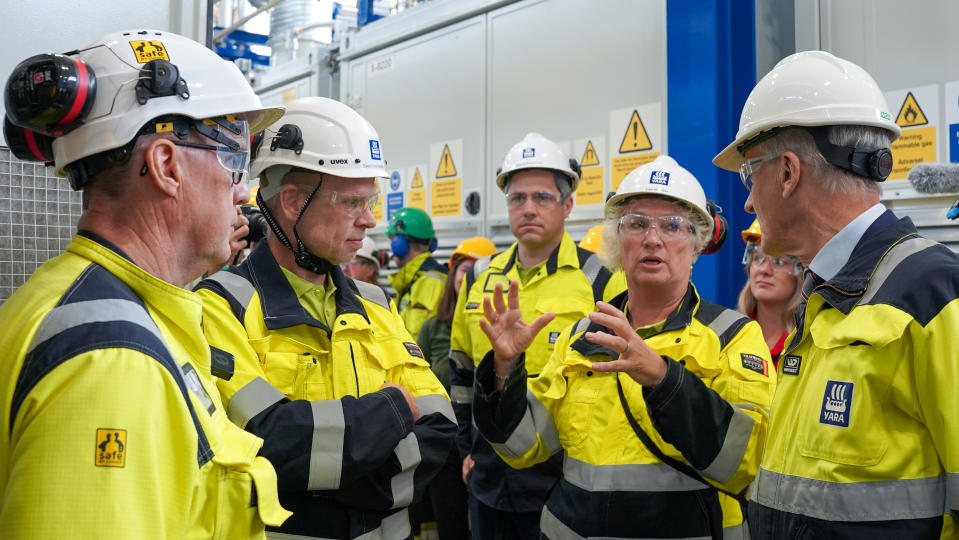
(146, 51)
(111, 447)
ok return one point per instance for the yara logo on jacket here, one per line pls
(836, 404)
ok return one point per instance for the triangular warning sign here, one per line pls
(636, 139)
(417, 180)
(446, 168)
(910, 114)
(589, 156)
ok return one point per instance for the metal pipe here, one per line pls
(240, 22)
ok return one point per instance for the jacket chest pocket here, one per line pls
(846, 376)
(579, 407)
(297, 375)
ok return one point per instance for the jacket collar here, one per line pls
(278, 301)
(404, 279)
(564, 255)
(845, 289)
(677, 320)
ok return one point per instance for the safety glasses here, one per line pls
(668, 227)
(749, 167)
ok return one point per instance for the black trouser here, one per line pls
(487, 523)
(447, 493)
(768, 524)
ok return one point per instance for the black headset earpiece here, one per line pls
(159, 78)
(573, 164)
(720, 228)
(256, 141)
(27, 145)
(873, 163)
(290, 137)
(50, 93)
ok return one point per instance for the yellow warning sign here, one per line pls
(445, 196)
(910, 114)
(417, 199)
(590, 190)
(914, 146)
(589, 156)
(146, 51)
(635, 139)
(111, 448)
(624, 165)
(417, 179)
(446, 168)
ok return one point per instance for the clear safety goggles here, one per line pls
(668, 227)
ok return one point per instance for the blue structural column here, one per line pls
(711, 68)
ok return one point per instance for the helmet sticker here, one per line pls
(374, 149)
(529, 153)
(146, 51)
(659, 177)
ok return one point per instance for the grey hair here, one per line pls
(832, 178)
(563, 183)
(611, 254)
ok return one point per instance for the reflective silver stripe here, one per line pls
(65, 317)
(896, 255)
(581, 325)
(882, 500)
(726, 463)
(520, 440)
(724, 321)
(953, 480)
(630, 477)
(408, 454)
(462, 360)
(592, 268)
(435, 403)
(373, 293)
(555, 529)
(393, 526)
(545, 425)
(238, 287)
(751, 406)
(251, 400)
(481, 265)
(736, 532)
(435, 275)
(461, 394)
(326, 452)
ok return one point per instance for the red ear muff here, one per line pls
(28, 145)
(720, 230)
(50, 93)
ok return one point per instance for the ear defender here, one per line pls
(50, 94)
(434, 244)
(720, 229)
(28, 145)
(400, 246)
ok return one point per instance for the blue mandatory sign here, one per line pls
(659, 177)
(529, 153)
(954, 143)
(836, 404)
(395, 180)
(374, 149)
(394, 201)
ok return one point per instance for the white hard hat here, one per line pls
(812, 88)
(369, 246)
(665, 178)
(216, 88)
(323, 135)
(535, 152)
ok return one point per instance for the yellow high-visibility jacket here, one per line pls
(349, 457)
(569, 284)
(864, 431)
(111, 425)
(709, 412)
(419, 286)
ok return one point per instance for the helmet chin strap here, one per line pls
(302, 255)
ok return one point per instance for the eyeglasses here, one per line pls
(668, 227)
(351, 205)
(787, 264)
(542, 199)
(749, 167)
(235, 161)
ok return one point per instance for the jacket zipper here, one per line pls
(356, 377)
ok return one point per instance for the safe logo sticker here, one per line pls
(836, 404)
(111, 447)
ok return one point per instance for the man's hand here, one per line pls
(409, 399)
(508, 333)
(468, 465)
(241, 229)
(636, 358)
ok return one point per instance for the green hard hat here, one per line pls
(411, 222)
